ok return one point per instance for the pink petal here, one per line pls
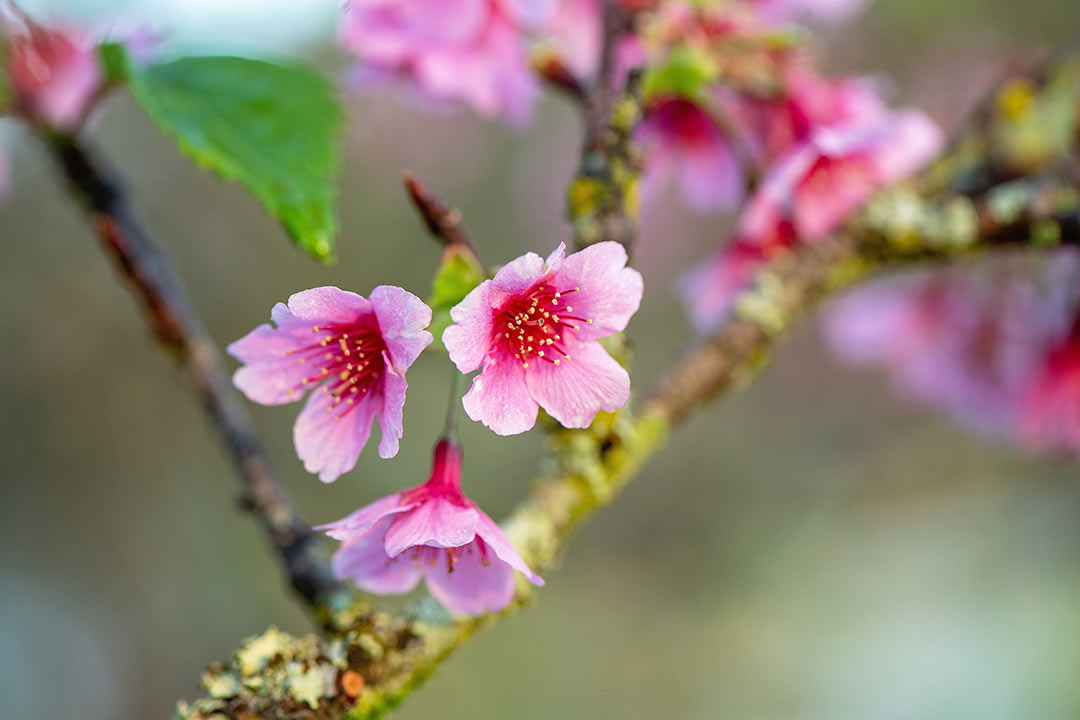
(402, 318)
(912, 140)
(609, 292)
(329, 446)
(493, 535)
(390, 420)
(472, 588)
(365, 561)
(711, 178)
(573, 391)
(469, 340)
(270, 376)
(361, 521)
(436, 523)
(829, 194)
(520, 274)
(328, 305)
(499, 397)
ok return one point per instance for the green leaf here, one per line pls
(459, 273)
(684, 73)
(272, 128)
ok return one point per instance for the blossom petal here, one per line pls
(609, 293)
(402, 318)
(436, 522)
(493, 535)
(711, 178)
(330, 446)
(361, 521)
(390, 422)
(520, 274)
(328, 304)
(473, 588)
(499, 397)
(270, 376)
(365, 561)
(469, 339)
(573, 391)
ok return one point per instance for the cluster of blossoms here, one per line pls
(532, 328)
(731, 105)
(996, 346)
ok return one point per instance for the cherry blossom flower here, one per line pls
(534, 328)
(352, 353)
(983, 344)
(55, 72)
(432, 531)
(682, 142)
(472, 51)
(806, 195)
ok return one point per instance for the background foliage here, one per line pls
(814, 548)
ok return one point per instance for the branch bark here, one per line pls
(1009, 180)
(178, 328)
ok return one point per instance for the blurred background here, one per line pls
(813, 548)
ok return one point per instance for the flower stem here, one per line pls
(450, 429)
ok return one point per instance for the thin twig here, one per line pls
(177, 326)
(443, 221)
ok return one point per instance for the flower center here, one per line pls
(349, 357)
(536, 324)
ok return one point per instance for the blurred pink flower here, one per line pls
(55, 72)
(979, 345)
(804, 196)
(472, 51)
(533, 329)
(359, 350)
(772, 126)
(432, 531)
(1051, 405)
(683, 143)
(837, 169)
(573, 31)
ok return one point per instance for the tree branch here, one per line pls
(177, 326)
(1009, 180)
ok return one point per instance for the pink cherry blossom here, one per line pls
(432, 531)
(806, 195)
(771, 126)
(533, 329)
(471, 51)
(681, 142)
(352, 353)
(55, 72)
(977, 343)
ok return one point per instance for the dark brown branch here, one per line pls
(177, 326)
(442, 221)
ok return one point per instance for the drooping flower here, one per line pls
(682, 142)
(352, 353)
(55, 72)
(471, 51)
(533, 329)
(432, 531)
